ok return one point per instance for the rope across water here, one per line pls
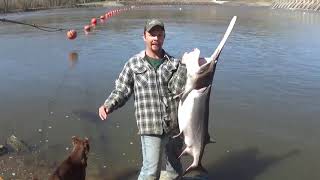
(71, 33)
(43, 28)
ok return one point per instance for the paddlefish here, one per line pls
(193, 110)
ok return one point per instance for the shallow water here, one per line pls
(265, 100)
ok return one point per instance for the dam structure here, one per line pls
(312, 5)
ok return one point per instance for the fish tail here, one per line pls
(212, 141)
(194, 167)
(175, 136)
(178, 95)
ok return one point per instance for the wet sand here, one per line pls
(15, 166)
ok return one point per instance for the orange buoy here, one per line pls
(71, 34)
(102, 17)
(94, 21)
(87, 28)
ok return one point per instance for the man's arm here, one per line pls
(120, 95)
(178, 79)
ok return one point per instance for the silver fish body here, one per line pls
(193, 110)
(193, 115)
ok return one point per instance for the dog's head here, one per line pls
(80, 149)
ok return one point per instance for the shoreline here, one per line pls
(100, 4)
(259, 3)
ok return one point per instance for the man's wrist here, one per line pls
(107, 105)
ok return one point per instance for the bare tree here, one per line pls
(8, 5)
(5, 6)
(24, 4)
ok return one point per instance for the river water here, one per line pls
(265, 103)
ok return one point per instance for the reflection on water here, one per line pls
(301, 17)
(265, 93)
(246, 164)
(73, 58)
(87, 115)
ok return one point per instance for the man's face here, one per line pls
(154, 39)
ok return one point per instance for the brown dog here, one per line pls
(74, 167)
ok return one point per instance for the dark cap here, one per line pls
(151, 23)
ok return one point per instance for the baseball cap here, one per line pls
(151, 23)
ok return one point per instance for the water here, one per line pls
(265, 100)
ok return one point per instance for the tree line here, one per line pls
(25, 5)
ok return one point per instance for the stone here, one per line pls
(16, 145)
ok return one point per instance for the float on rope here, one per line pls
(93, 21)
(87, 28)
(71, 34)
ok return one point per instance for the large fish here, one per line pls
(193, 111)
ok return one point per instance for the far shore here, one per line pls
(264, 3)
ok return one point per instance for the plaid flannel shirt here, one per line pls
(154, 91)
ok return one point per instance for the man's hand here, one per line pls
(103, 112)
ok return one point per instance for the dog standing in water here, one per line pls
(74, 167)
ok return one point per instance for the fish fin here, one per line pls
(204, 67)
(178, 135)
(182, 96)
(177, 96)
(185, 94)
(184, 152)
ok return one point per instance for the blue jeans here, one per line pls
(153, 149)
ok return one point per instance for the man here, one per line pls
(154, 77)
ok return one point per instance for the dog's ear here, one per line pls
(86, 139)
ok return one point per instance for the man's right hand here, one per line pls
(103, 112)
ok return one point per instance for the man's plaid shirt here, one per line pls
(155, 107)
